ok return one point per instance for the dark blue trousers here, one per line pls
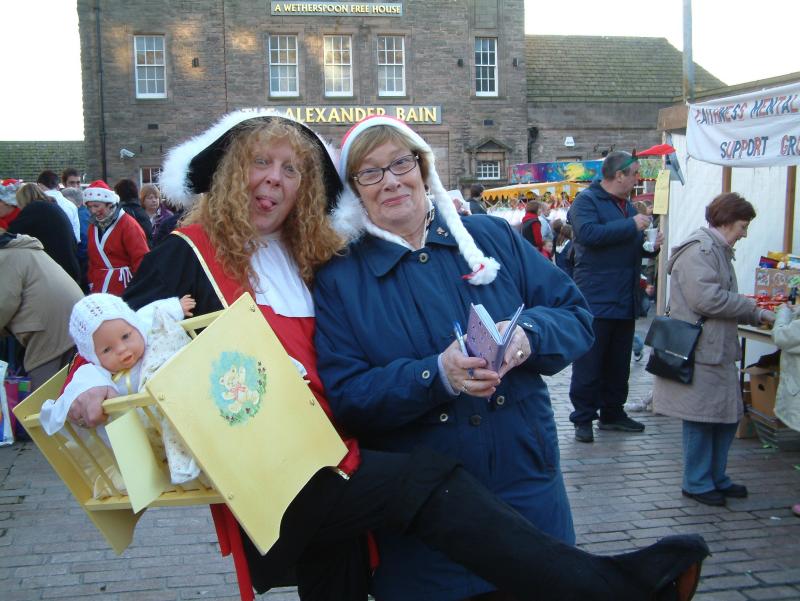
(600, 377)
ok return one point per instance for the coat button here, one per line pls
(426, 374)
(475, 420)
(443, 417)
(423, 257)
(501, 400)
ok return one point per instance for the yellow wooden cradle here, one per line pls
(237, 403)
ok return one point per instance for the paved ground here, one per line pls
(624, 489)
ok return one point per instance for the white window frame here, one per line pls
(279, 52)
(149, 175)
(486, 76)
(337, 59)
(389, 65)
(486, 170)
(148, 70)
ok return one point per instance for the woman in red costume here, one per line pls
(117, 243)
(261, 227)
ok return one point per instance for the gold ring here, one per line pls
(520, 354)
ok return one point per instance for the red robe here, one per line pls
(6, 221)
(115, 256)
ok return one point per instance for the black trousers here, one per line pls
(433, 499)
(600, 377)
(323, 530)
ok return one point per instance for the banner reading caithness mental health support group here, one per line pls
(757, 129)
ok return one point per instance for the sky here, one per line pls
(736, 40)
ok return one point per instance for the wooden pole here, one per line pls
(727, 172)
(788, 224)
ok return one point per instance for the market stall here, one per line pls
(511, 193)
(748, 143)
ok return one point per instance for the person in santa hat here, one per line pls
(117, 243)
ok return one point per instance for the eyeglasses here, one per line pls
(374, 175)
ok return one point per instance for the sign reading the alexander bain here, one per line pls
(757, 129)
(336, 9)
(347, 115)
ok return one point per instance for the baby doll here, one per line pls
(124, 349)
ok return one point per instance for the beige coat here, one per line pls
(36, 299)
(703, 284)
(786, 334)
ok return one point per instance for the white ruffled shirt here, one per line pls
(279, 283)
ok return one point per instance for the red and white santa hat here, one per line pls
(350, 218)
(98, 191)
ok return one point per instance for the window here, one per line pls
(488, 170)
(283, 65)
(149, 175)
(338, 66)
(485, 67)
(391, 65)
(151, 72)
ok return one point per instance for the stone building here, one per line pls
(588, 95)
(156, 71)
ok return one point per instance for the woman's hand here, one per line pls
(86, 410)
(468, 374)
(767, 316)
(518, 350)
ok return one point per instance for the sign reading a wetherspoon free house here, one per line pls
(337, 9)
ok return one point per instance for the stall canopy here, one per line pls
(512, 192)
(576, 171)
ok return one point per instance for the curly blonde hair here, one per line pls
(224, 212)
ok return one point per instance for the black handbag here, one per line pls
(673, 342)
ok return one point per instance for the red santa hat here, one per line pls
(98, 191)
(350, 218)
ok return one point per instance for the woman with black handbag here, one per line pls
(703, 289)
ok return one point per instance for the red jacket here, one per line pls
(115, 256)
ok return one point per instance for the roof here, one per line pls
(607, 69)
(26, 160)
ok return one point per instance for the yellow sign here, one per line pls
(347, 115)
(661, 196)
(251, 422)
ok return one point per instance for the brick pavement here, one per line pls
(624, 490)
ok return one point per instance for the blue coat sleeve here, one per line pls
(364, 396)
(590, 229)
(556, 318)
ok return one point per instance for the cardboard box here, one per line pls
(763, 387)
(746, 429)
(773, 281)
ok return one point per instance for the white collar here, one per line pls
(278, 283)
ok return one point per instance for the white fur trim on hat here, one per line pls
(91, 311)
(175, 179)
(350, 218)
(8, 194)
(98, 191)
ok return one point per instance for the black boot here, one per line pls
(472, 527)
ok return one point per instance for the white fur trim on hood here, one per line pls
(175, 180)
(350, 218)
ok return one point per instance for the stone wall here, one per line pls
(594, 126)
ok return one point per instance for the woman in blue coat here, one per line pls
(395, 376)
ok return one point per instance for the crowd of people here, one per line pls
(361, 266)
(90, 233)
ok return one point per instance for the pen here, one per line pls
(460, 338)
